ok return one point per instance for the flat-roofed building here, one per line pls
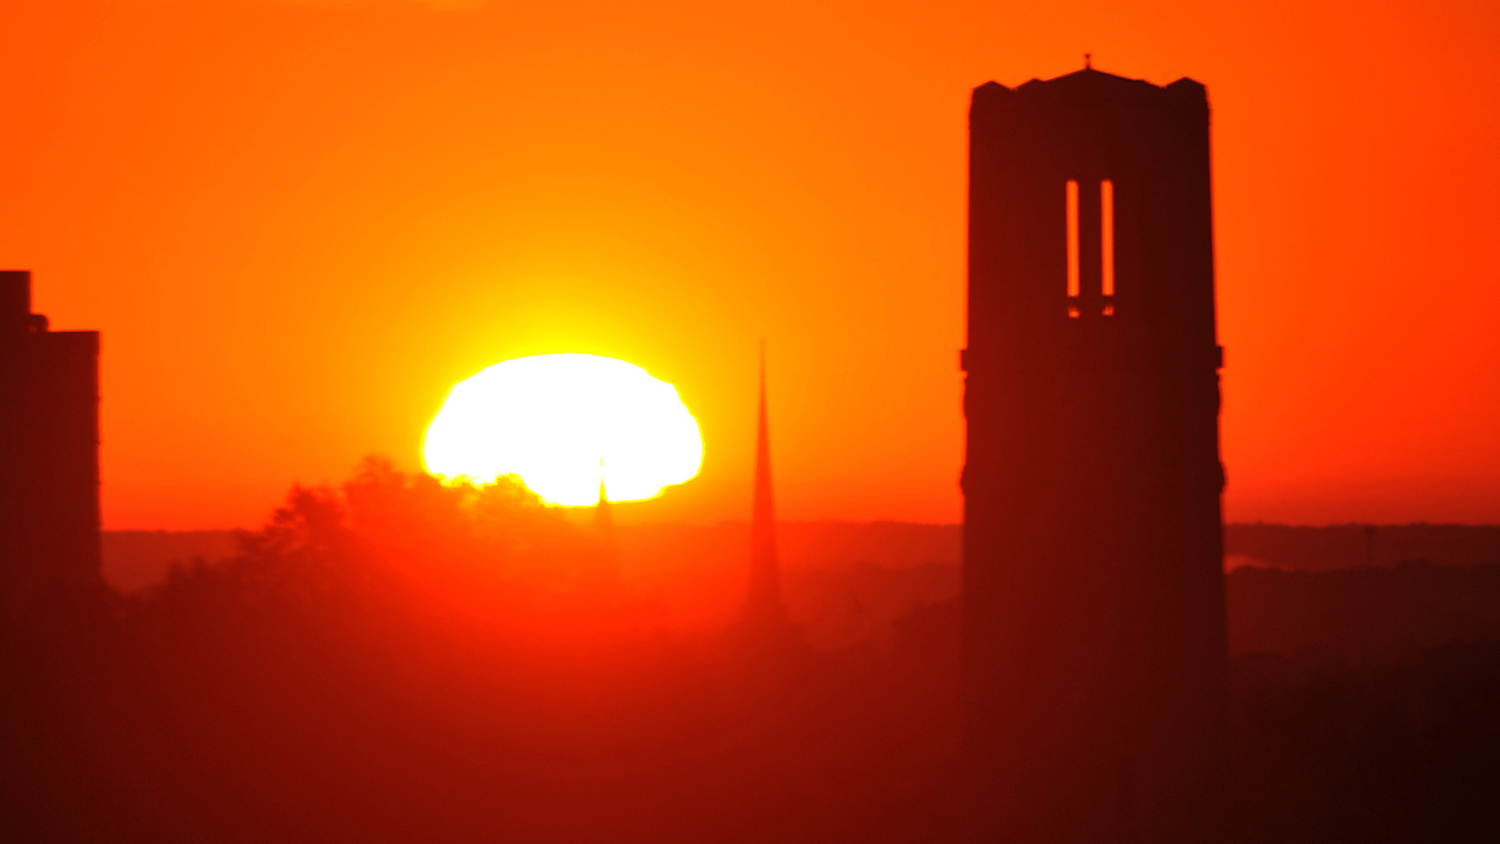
(49, 451)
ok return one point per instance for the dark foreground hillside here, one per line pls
(397, 661)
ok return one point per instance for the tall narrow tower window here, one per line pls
(1073, 271)
(1107, 236)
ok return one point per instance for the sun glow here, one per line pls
(561, 422)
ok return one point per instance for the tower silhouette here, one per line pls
(1094, 632)
(763, 602)
(49, 451)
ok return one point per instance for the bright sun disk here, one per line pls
(558, 421)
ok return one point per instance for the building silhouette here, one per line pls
(1093, 590)
(49, 452)
(763, 606)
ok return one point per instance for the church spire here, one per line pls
(604, 517)
(607, 574)
(764, 600)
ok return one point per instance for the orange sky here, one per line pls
(297, 224)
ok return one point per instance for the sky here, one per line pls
(298, 224)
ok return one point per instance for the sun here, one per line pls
(563, 422)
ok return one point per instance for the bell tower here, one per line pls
(1094, 631)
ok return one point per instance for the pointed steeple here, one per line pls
(607, 573)
(604, 517)
(764, 599)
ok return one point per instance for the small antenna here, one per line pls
(1088, 61)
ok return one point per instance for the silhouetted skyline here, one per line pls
(395, 658)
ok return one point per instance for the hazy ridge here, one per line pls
(135, 559)
(1291, 589)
